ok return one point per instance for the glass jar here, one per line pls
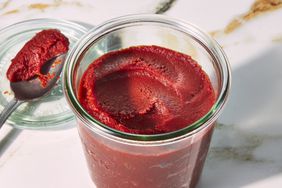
(52, 110)
(118, 159)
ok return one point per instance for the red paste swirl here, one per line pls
(146, 90)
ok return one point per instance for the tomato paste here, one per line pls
(35, 53)
(146, 90)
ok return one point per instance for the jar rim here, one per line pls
(46, 21)
(94, 125)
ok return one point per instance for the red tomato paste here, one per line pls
(35, 53)
(120, 165)
(146, 90)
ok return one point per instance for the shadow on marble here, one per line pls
(246, 147)
(8, 139)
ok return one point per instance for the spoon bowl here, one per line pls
(34, 89)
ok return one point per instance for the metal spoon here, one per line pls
(32, 90)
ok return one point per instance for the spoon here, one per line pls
(32, 90)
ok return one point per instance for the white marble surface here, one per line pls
(247, 145)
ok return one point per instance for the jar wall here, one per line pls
(116, 164)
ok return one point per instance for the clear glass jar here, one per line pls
(119, 159)
(52, 110)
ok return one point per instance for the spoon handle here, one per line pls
(9, 108)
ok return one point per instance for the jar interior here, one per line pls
(136, 34)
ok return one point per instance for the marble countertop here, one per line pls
(246, 149)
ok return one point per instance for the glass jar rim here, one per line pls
(39, 21)
(210, 44)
